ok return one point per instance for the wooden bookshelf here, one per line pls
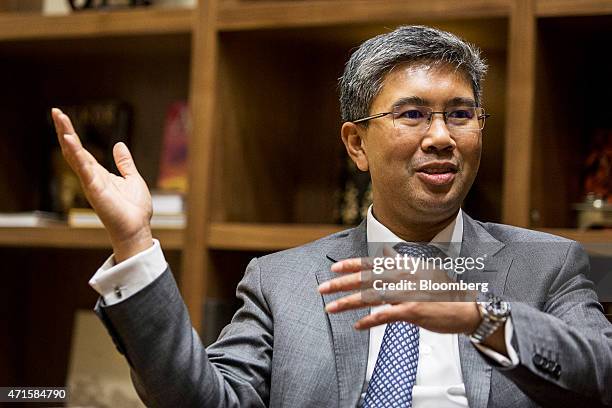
(67, 237)
(20, 26)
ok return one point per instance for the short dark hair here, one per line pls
(367, 67)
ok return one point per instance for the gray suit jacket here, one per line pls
(282, 350)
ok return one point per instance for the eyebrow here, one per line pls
(409, 100)
(417, 100)
(461, 101)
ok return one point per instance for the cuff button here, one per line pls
(537, 360)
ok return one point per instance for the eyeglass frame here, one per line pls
(444, 114)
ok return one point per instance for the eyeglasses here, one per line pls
(417, 119)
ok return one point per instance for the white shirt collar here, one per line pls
(448, 240)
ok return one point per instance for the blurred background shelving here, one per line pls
(265, 152)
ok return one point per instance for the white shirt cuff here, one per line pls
(117, 282)
(509, 361)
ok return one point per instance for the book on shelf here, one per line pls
(173, 157)
(100, 124)
(30, 219)
(167, 202)
(87, 218)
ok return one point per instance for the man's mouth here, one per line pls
(437, 173)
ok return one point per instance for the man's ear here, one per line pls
(353, 139)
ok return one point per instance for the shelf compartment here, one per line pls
(282, 163)
(67, 237)
(243, 15)
(566, 118)
(21, 26)
(146, 72)
(266, 237)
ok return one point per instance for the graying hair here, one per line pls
(365, 71)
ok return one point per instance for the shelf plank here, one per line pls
(266, 237)
(22, 26)
(272, 237)
(67, 237)
(559, 8)
(239, 15)
(582, 236)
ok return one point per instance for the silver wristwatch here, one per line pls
(494, 313)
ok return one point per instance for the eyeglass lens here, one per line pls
(458, 119)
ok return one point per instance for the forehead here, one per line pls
(436, 84)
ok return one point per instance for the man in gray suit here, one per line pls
(411, 106)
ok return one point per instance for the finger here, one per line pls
(124, 160)
(62, 124)
(67, 123)
(352, 265)
(79, 159)
(349, 302)
(400, 312)
(59, 126)
(342, 284)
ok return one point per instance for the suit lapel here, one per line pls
(350, 345)
(477, 242)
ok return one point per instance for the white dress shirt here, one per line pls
(439, 382)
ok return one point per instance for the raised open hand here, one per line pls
(123, 203)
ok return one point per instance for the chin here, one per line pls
(434, 204)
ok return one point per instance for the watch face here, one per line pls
(498, 308)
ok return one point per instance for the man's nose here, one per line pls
(437, 136)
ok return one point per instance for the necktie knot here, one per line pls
(417, 250)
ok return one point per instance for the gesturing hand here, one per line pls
(123, 203)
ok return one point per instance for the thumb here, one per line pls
(123, 160)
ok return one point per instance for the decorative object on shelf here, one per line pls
(354, 195)
(594, 212)
(596, 209)
(173, 158)
(100, 125)
(89, 4)
(598, 166)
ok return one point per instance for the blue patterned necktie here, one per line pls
(395, 371)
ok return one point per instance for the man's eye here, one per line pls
(412, 114)
(461, 114)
